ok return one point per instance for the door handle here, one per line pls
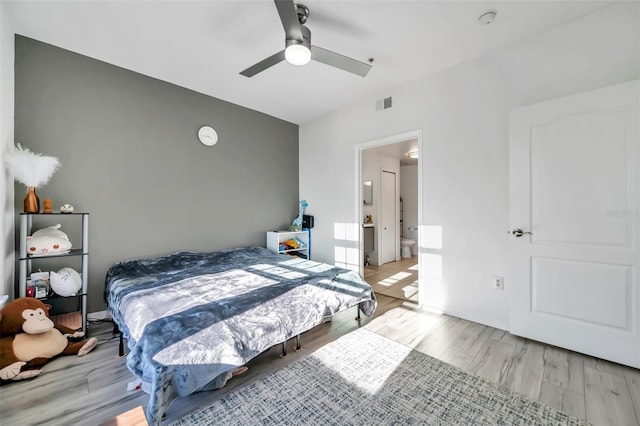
(519, 232)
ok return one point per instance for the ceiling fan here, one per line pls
(298, 49)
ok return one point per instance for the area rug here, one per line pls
(366, 379)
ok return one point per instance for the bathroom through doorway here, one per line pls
(389, 204)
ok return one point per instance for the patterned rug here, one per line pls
(366, 379)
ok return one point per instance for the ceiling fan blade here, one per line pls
(339, 61)
(264, 64)
(289, 18)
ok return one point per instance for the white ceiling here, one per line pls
(398, 150)
(203, 45)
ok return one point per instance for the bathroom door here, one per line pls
(388, 237)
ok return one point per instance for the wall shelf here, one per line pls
(274, 238)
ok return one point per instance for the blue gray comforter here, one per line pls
(191, 318)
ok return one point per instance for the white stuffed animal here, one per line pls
(47, 241)
(66, 208)
(66, 282)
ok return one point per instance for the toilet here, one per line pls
(406, 246)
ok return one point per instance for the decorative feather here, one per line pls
(29, 168)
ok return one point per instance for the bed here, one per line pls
(191, 318)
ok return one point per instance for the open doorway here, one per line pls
(389, 187)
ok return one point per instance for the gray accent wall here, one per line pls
(131, 157)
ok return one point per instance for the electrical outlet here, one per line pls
(498, 282)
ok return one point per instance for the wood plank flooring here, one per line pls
(92, 389)
(396, 279)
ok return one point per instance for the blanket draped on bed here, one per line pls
(191, 318)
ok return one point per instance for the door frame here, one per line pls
(389, 140)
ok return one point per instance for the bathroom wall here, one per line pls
(409, 195)
(370, 172)
(372, 165)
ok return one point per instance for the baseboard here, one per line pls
(466, 316)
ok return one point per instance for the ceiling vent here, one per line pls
(383, 104)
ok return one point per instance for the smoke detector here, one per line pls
(487, 16)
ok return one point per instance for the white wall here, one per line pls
(409, 194)
(6, 143)
(463, 113)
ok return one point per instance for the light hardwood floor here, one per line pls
(396, 279)
(92, 389)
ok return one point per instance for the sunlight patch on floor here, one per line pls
(368, 383)
(393, 279)
(410, 291)
(411, 315)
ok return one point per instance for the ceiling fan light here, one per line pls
(297, 54)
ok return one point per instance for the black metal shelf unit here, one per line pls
(60, 304)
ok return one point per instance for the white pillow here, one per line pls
(49, 240)
(66, 282)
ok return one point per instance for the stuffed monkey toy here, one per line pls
(29, 339)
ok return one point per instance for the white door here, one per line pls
(388, 239)
(574, 186)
